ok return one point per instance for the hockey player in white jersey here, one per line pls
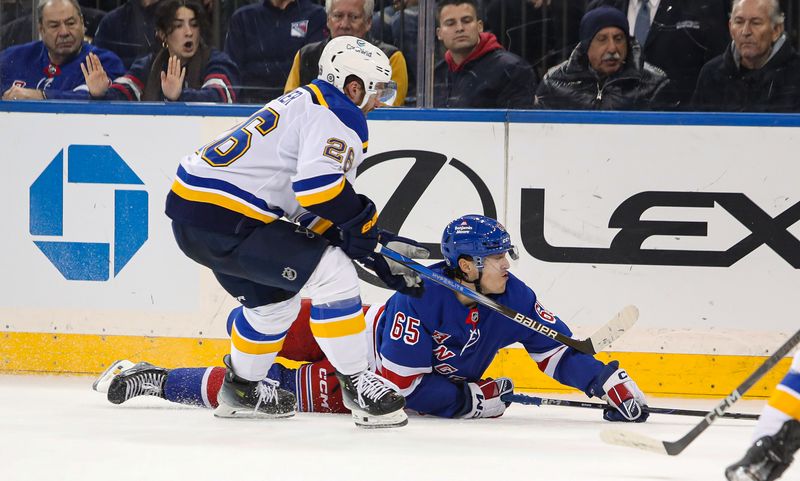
(269, 207)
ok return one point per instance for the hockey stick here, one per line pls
(673, 448)
(592, 345)
(539, 401)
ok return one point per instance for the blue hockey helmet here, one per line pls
(476, 236)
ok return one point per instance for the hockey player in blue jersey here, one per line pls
(434, 349)
(51, 68)
(269, 207)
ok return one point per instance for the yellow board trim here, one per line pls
(320, 197)
(658, 374)
(785, 402)
(220, 200)
(345, 327)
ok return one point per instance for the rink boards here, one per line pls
(693, 218)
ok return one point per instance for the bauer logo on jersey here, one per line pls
(300, 29)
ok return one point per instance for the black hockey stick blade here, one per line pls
(598, 341)
(673, 448)
(540, 401)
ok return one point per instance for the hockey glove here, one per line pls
(485, 397)
(409, 285)
(360, 234)
(626, 401)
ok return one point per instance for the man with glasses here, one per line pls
(347, 17)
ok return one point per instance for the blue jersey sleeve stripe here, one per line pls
(792, 381)
(305, 185)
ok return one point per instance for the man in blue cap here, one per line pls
(605, 71)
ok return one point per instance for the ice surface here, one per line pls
(57, 428)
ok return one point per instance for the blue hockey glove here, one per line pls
(626, 401)
(360, 234)
(485, 397)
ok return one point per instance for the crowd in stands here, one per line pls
(706, 55)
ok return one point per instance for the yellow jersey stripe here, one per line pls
(344, 327)
(220, 200)
(249, 347)
(785, 402)
(318, 94)
(322, 196)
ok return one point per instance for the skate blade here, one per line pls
(101, 383)
(224, 411)
(365, 420)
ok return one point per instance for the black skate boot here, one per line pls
(142, 379)
(240, 398)
(372, 402)
(768, 458)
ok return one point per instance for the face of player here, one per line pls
(608, 50)
(347, 18)
(495, 273)
(753, 32)
(61, 29)
(185, 36)
(459, 28)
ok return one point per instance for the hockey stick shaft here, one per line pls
(674, 448)
(592, 345)
(539, 401)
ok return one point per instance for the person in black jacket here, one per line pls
(605, 70)
(759, 72)
(476, 71)
(683, 35)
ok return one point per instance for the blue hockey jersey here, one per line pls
(29, 66)
(430, 346)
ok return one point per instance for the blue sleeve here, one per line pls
(221, 75)
(564, 364)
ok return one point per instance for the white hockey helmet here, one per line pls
(344, 56)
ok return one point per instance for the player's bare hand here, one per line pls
(172, 79)
(95, 75)
(21, 93)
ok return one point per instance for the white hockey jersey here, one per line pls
(297, 151)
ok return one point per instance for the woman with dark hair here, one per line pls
(184, 69)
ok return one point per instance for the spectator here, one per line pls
(185, 69)
(476, 71)
(605, 71)
(18, 31)
(50, 68)
(129, 30)
(262, 39)
(678, 36)
(347, 17)
(759, 71)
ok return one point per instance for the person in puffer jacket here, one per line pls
(605, 71)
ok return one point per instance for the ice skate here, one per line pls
(101, 383)
(142, 379)
(768, 458)
(240, 398)
(372, 402)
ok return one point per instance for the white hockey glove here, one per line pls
(396, 276)
(486, 395)
(626, 401)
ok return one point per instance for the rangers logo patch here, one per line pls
(439, 337)
(299, 29)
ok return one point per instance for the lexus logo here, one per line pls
(426, 166)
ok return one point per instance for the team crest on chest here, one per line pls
(440, 337)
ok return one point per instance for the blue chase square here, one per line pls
(88, 164)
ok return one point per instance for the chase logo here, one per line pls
(88, 164)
